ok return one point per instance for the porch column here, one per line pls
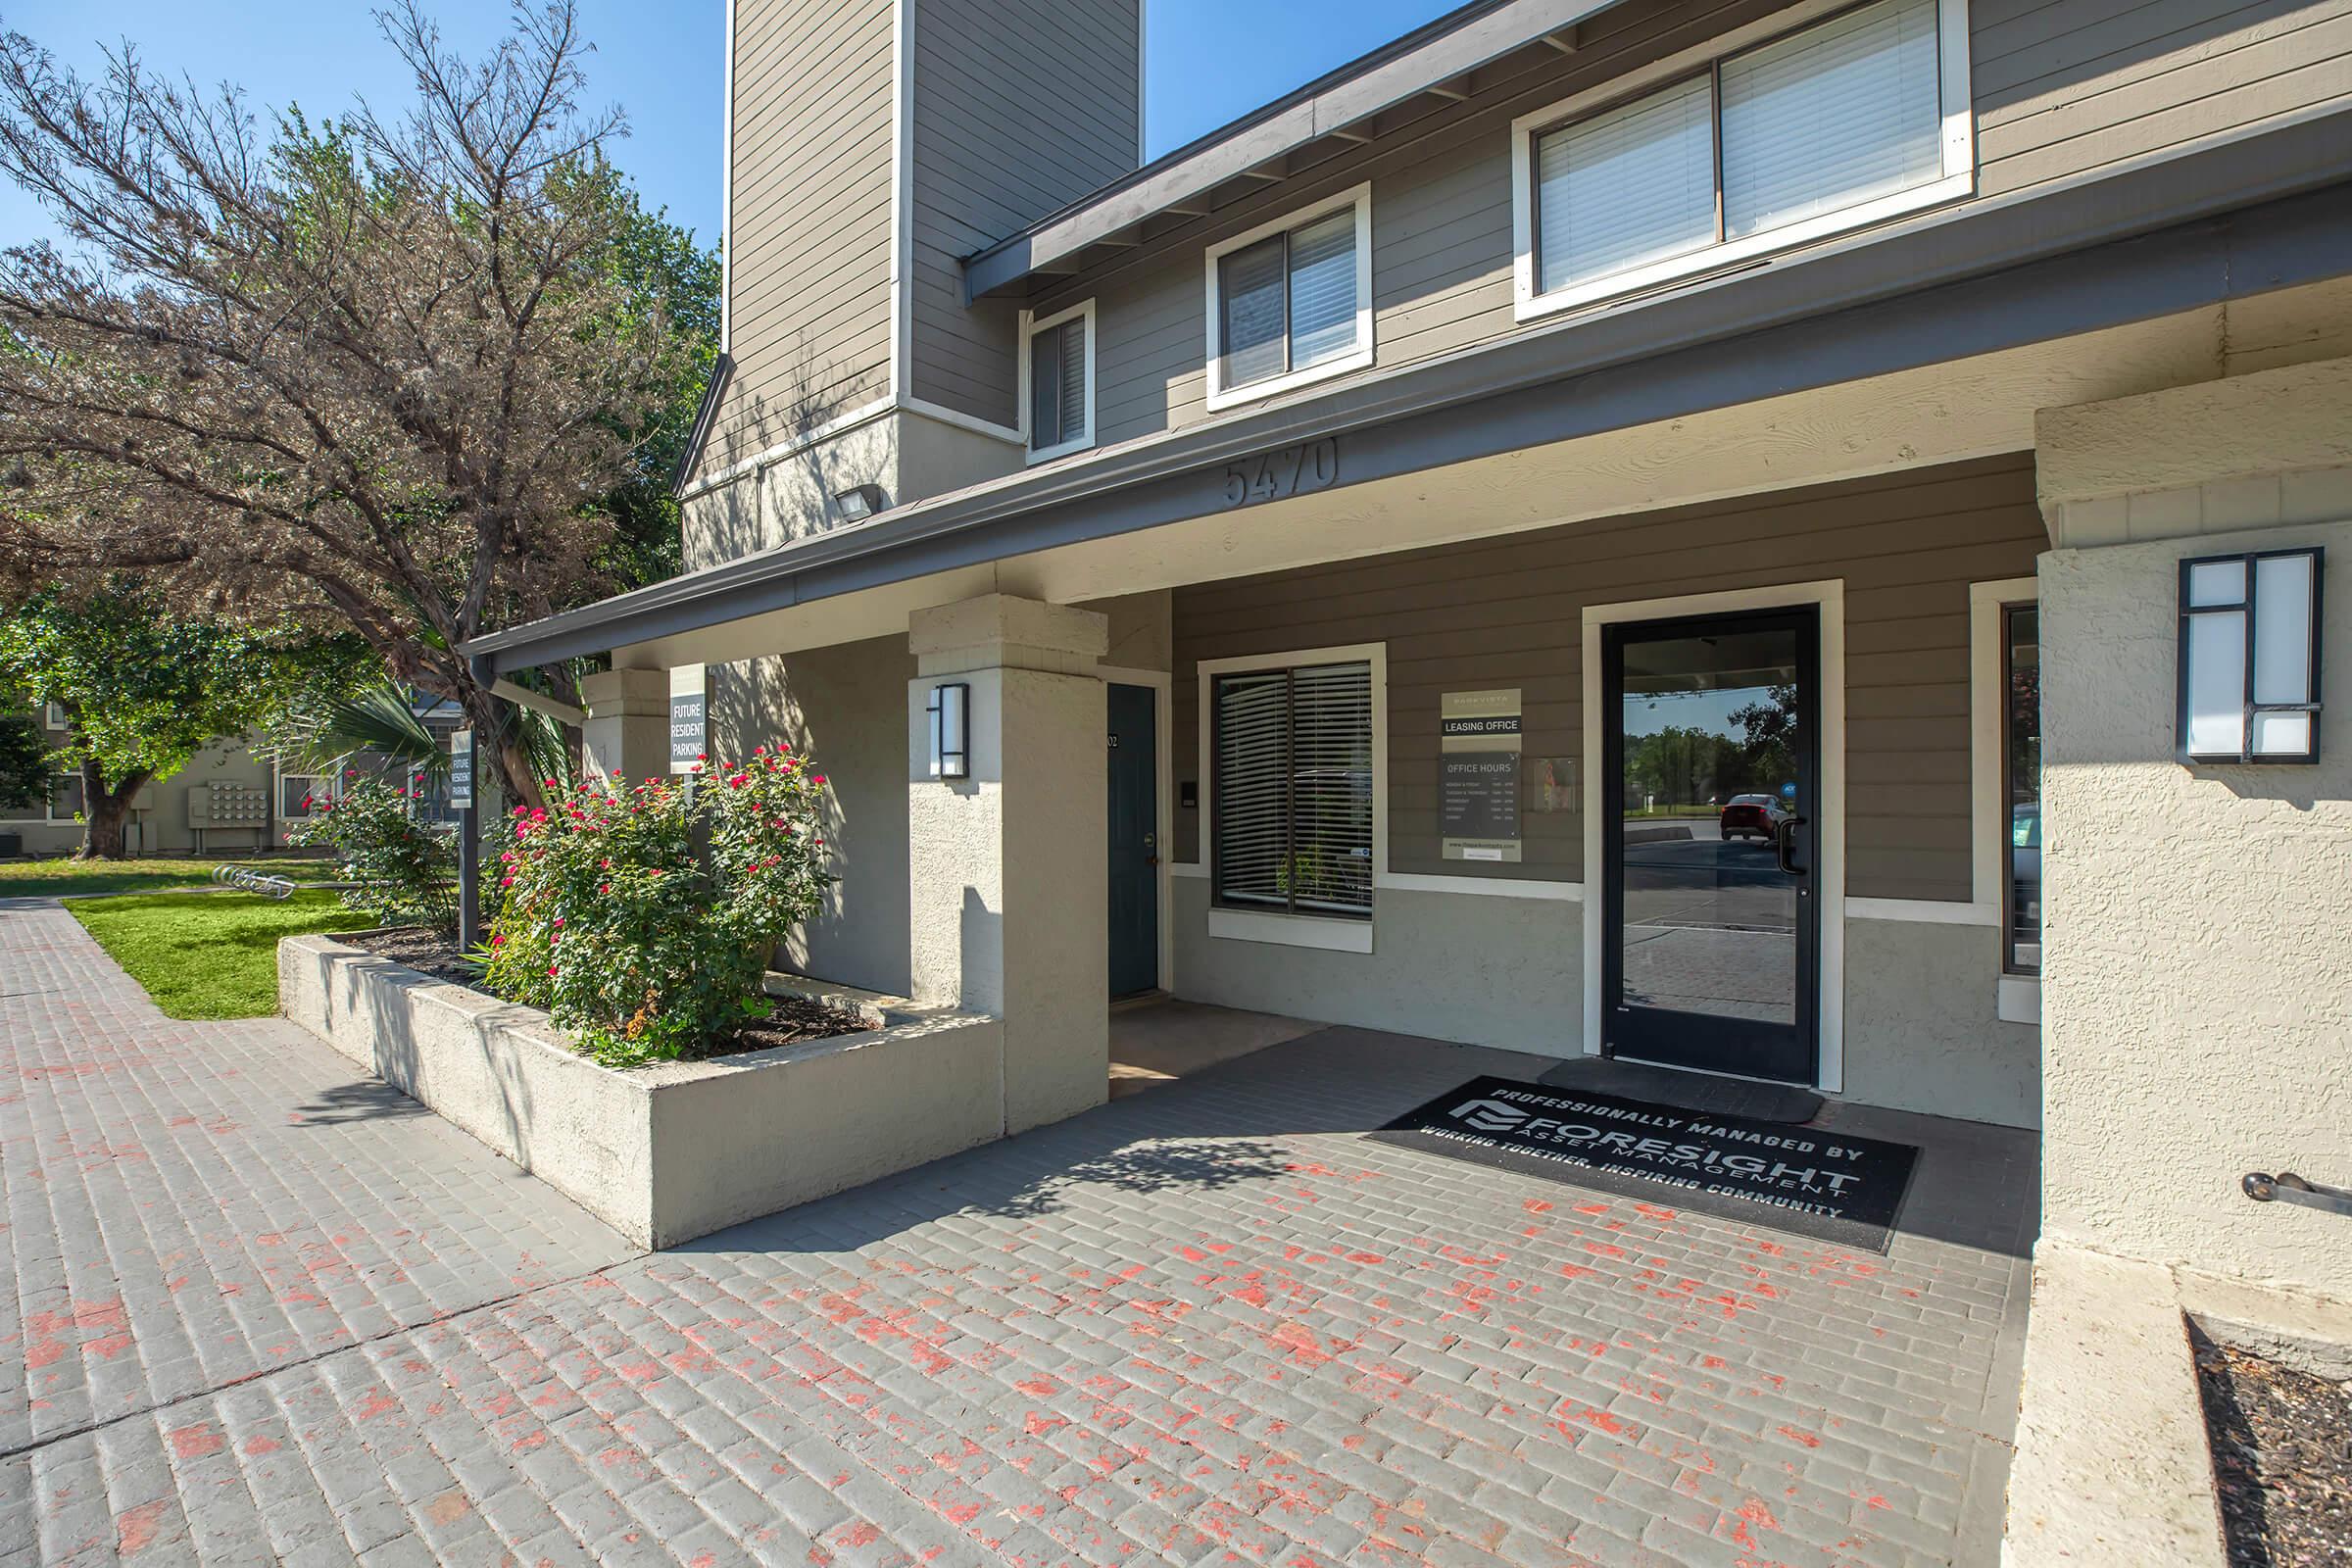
(1008, 903)
(627, 734)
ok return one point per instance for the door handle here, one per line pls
(1151, 860)
(1785, 842)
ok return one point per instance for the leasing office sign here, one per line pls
(1478, 774)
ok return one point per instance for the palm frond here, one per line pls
(378, 718)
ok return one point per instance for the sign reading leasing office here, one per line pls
(1478, 774)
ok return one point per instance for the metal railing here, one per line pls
(257, 882)
(2288, 1188)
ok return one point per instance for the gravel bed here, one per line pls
(2281, 1459)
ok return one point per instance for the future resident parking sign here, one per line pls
(689, 718)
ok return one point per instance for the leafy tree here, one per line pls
(409, 372)
(143, 692)
(25, 765)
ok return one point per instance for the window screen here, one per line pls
(1292, 789)
(1629, 187)
(1837, 115)
(1289, 302)
(1058, 385)
(65, 797)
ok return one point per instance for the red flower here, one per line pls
(498, 941)
(551, 968)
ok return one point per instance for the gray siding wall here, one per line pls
(2062, 87)
(2067, 86)
(1018, 111)
(1509, 612)
(810, 275)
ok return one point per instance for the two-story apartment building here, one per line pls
(1773, 537)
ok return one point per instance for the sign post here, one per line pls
(469, 839)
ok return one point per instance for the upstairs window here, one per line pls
(1291, 302)
(1848, 121)
(1060, 369)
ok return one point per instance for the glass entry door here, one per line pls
(1711, 779)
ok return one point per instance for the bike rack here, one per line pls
(256, 882)
(2288, 1188)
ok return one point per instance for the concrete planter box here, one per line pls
(666, 1153)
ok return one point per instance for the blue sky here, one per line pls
(662, 63)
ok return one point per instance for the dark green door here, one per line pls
(1134, 841)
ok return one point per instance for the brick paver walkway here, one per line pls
(265, 1311)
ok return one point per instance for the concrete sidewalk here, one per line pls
(263, 1310)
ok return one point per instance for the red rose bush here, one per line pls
(641, 916)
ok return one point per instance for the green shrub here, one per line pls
(642, 918)
(401, 871)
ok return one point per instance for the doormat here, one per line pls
(1828, 1185)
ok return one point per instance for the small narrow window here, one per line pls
(1291, 790)
(1061, 382)
(2020, 767)
(1291, 303)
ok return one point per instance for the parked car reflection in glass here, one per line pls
(1752, 817)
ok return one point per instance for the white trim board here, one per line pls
(1289, 927)
(1829, 848)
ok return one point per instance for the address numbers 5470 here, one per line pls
(1290, 471)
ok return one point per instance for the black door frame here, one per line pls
(1152, 686)
(1716, 1043)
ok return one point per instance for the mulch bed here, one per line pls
(796, 1019)
(2282, 1459)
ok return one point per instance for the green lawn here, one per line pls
(23, 879)
(209, 955)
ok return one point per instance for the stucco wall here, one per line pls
(846, 707)
(2197, 999)
(1479, 969)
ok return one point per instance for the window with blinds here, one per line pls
(1287, 302)
(1057, 386)
(1291, 790)
(1830, 117)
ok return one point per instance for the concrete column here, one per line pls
(1009, 903)
(626, 736)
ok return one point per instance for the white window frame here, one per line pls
(53, 717)
(1332, 933)
(1958, 180)
(2017, 997)
(1031, 326)
(1221, 395)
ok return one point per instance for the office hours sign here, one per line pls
(1478, 774)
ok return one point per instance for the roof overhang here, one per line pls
(1436, 61)
(2240, 218)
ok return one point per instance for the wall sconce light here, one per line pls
(951, 731)
(859, 502)
(2250, 656)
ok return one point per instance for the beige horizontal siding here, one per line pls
(810, 294)
(2062, 88)
(1509, 612)
(2068, 88)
